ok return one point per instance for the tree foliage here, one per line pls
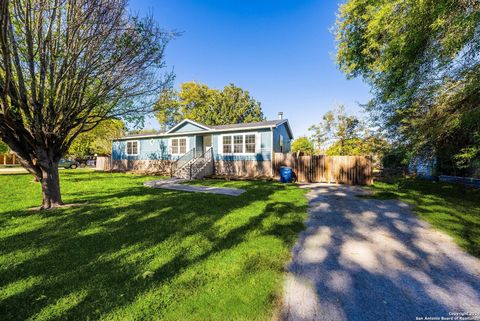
(369, 145)
(341, 134)
(303, 145)
(335, 126)
(144, 131)
(98, 140)
(66, 66)
(3, 148)
(422, 60)
(209, 106)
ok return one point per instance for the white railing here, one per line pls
(182, 162)
(200, 163)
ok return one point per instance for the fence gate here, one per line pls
(350, 170)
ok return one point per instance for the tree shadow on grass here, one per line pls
(450, 207)
(91, 261)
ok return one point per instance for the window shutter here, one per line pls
(258, 143)
(220, 144)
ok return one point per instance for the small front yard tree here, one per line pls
(65, 67)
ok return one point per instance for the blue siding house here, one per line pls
(194, 150)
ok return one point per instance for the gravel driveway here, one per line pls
(365, 259)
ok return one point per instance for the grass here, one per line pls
(134, 253)
(451, 208)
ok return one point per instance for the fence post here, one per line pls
(274, 161)
(212, 160)
(370, 170)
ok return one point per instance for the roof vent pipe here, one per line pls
(280, 115)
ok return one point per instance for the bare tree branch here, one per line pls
(66, 66)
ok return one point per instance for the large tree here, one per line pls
(66, 66)
(422, 60)
(210, 106)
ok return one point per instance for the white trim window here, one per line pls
(178, 145)
(240, 144)
(227, 144)
(132, 148)
(250, 143)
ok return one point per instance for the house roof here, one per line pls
(266, 123)
(143, 135)
(214, 129)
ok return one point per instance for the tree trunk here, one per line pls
(42, 163)
(51, 186)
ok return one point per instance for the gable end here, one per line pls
(188, 125)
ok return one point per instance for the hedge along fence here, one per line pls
(352, 170)
(9, 159)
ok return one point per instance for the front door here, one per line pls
(198, 145)
(207, 142)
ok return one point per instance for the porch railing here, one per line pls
(182, 161)
(200, 162)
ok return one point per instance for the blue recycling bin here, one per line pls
(286, 174)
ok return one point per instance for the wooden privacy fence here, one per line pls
(327, 169)
(102, 163)
(9, 159)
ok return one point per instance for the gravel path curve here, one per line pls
(365, 259)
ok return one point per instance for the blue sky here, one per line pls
(281, 51)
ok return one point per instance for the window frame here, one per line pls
(222, 137)
(241, 144)
(244, 147)
(138, 147)
(178, 146)
(255, 135)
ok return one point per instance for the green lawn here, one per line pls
(134, 253)
(451, 208)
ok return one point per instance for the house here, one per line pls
(195, 150)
